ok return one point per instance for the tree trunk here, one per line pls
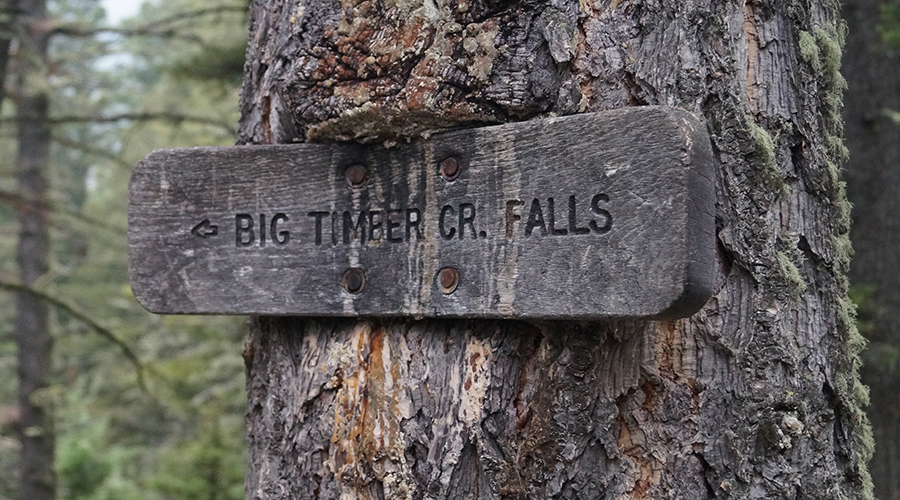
(6, 34)
(873, 182)
(33, 339)
(755, 396)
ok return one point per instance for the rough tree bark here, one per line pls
(38, 477)
(873, 180)
(755, 396)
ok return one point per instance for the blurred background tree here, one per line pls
(138, 406)
(871, 64)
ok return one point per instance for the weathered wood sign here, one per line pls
(588, 216)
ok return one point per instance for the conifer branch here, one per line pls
(87, 321)
(17, 201)
(157, 28)
(135, 117)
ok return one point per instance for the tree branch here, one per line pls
(17, 200)
(149, 28)
(84, 148)
(85, 32)
(137, 117)
(191, 14)
(101, 330)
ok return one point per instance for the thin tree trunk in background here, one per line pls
(38, 476)
(755, 396)
(32, 333)
(6, 35)
(873, 184)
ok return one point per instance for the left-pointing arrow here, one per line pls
(205, 229)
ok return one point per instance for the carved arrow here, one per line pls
(205, 229)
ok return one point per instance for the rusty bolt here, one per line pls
(356, 176)
(449, 279)
(450, 168)
(354, 280)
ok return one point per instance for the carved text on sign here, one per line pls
(589, 216)
(404, 225)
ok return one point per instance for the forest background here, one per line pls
(152, 407)
(143, 406)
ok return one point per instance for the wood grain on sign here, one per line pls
(587, 216)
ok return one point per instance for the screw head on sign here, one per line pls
(450, 168)
(356, 176)
(448, 278)
(354, 280)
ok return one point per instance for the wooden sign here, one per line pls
(587, 216)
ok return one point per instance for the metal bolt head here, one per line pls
(356, 175)
(448, 277)
(450, 168)
(354, 280)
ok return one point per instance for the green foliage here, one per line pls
(218, 64)
(863, 295)
(81, 469)
(206, 467)
(888, 26)
(879, 356)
